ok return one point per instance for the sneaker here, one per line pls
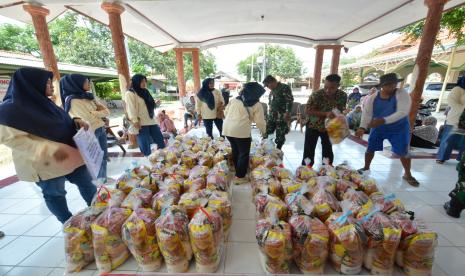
(239, 181)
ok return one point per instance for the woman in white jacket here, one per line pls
(240, 113)
(456, 101)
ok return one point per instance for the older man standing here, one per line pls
(386, 113)
(281, 101)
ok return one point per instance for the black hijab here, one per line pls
(251, 93)
(27, 108)
(143, 93)
(71, 87)
(206, 94)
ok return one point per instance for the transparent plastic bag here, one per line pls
(139, 235)
(138, 198)
(107, 197)
(337, 127)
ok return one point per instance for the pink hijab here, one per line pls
(166, 124)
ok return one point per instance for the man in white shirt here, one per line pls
(386, 113)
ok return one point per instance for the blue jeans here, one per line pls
(101, 135)
(54, 191)
(446, 146)
(191, 116)
(149, 135)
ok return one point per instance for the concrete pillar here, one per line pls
(180, 69)
(38, 15)
(196, 71)
(425, 50)
(335, 60)
(317, 70)
(114, 11)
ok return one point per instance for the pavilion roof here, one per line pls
(207, 23)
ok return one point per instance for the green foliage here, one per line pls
(349, 77)
(107, 90)
(147, 60)
(114, 96)
(280, 61)
(18, 39)
(452, 21)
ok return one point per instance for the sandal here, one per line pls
(411, 181)
(440, 161)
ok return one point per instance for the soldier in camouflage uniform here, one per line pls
(457, 196)
(280, 107)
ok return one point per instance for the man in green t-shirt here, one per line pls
(319, 107)
(280, 105)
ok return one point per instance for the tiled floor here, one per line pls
(34, 244)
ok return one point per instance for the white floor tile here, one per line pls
(17, 250)
(450, 260)
(6, 203)
(6, 240)
(6, 218)
(243, 258)
(47, 228)
(244, 211)
(242, 231)
(4, 269)
(23, 224)
(453, 232)
(51, 254)
(432, 198)
(23, 207)
(24, 271)
(429, 214)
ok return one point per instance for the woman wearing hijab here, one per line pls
(449, 140)
(40, 135)
(209, 106)
(141, 110)
(240, 114)
(81, 104)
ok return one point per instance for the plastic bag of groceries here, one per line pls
(206, 235)
(298, 203)
(280, 172)
(270, 186)
(337, 127)
(192, 201)
(383, 238)
(139, 235)
(182, 171)
(126, 182)
(345, 243)
(305, 172)
(107, 197)
(199, 172)
(310, 239)
(261, 173)
(327, 169)
(109, 248)
(173, 238)
(217, 180)
(356, 201)
(138, 198)
(325, 203)
(291, 185)
(151, 182)
(342, 186)
(416, 250)
(77, 232)
(387, 202)
(220, 202)
(194, 184)
(189, 159)
(266, 205)
(164, 199)
(172, 182)
(256, 160)
(275, 243)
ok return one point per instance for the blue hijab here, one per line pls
(205, 93)
(461, 82)
(251, 93)
(71, 87)
(143, 93)
(27, 108)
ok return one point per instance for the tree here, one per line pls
(18, 39)
(452, 21)
(349, 77)
(280, 61)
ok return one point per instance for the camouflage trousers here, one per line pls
(279, 125)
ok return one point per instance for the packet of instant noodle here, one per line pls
(126, 182)
(389, 203)
(138, 198)
(310, 238)
(337, 127)
(192, 185)
(275, 243)
(298, 204)
(163, 200)
(266, 205)
(192, 201)
(139, 235)
(109, 248)
(107, 197)
(206, 236)
(306, 172)
(173, 238)
(383, 239)
(77, 232)
(220, 202)
(325, 203)
(346, 243)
